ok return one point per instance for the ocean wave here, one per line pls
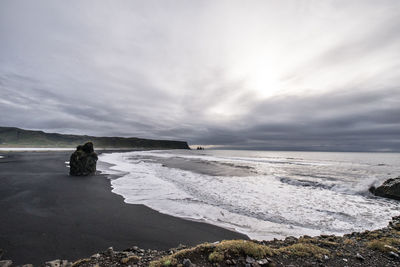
(268, 204)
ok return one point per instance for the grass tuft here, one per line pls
(133, 259)
(349, 242)
(173, 260)
(384, 244)
(240, 247)
(304, 250)
(216, 253)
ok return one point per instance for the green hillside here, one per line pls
(15, 137)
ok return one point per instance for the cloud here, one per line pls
(268, 75)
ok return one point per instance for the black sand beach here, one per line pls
(45, 214)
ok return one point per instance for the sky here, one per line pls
(308, 75)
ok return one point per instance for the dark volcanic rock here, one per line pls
(389, 189)
(83, 161)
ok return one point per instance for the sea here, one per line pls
(263, 194)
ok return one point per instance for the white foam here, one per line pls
(262, 206)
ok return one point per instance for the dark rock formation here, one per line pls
(83, 161)
(389, 189)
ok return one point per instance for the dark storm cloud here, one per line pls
(347, 121)
(267, 75)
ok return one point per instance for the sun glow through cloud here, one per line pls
(191, 69)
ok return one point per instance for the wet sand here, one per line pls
(45, 214)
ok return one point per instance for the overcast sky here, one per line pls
(321, 75)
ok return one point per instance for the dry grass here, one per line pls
(384, 244)
(395, 232)
(235, 248)
(349, 242)
(304, 250)
(133, 259)
(373, 235)
(172, 260)
(216, 253)
(239, 247)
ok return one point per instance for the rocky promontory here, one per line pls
(15, 137)
(370, 248)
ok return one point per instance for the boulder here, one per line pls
(83, 161)
(389, 189)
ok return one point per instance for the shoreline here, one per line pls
(78, 216)
(273, 228)
(111, 177)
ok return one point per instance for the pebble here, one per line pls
(187, 263)
(58, 263)
(360, 257)
(291, 239)
(180, 247)
(250, 259)
(326, 257)
(228, 262)
(95, 256)
(263, 262)
(110, 251)
(394, 255)
(5, 263)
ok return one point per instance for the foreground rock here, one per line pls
(83, 161)
(370, 248)
(389, 189)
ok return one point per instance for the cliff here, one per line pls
(15, 137)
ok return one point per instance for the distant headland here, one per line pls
(16, 137)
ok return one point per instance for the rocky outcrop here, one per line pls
(83, 161)
(389, 189)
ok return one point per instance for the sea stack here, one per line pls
(83, 161)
